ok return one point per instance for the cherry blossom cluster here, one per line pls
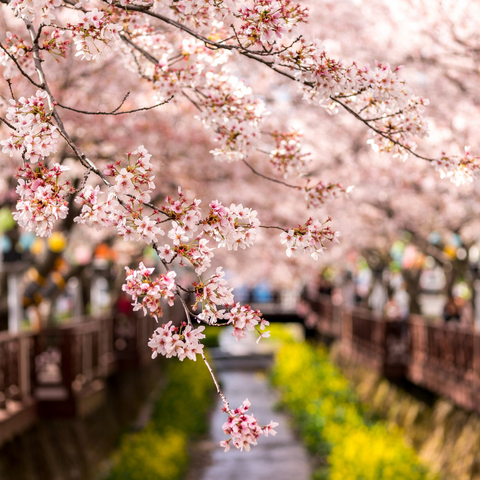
(244, 318)
(123, 207)
(195, 51)
(170, 80)
(235, 115)
(232, 227)
(229, 227)
(42, 198)
(320, 75)
(265, 21)
(244, 429)
(185, 215)
(185, 220)
(21, 52)
(134, 179)
(138, 28)
(196, 251)
(182, 342)
(211, 294)
(34, 135)
(31, 9)
(133, 185)
(377, 93)
(288, 156)
(214, 293)
(390, 107)
(147, 293)
(308, 238)
(94, 35)
(54, 45)
(170, 76)
(94, 213)
(458, 169)
(322, 192)
(191, 11)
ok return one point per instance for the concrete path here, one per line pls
(281, 457)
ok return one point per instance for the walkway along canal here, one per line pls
(282, 457)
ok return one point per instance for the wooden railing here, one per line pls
(442, 357)
(16, 360)
(445, 358)
(374, 341)
(71, 361)
(61, 372)
(319, 311)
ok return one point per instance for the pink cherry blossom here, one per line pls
(243, 428)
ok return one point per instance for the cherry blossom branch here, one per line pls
(38, 64)
(182, 301)
(44, 86)
(269, 178)
(8, 124)
(84, 160)
(383, 116)
(379, 132)
(269, 64)
(273, 227)
(217, 386)
(195, 104)
(212, 374)
(140, 49)
(20, 69)
(10, 87)
(115, 112)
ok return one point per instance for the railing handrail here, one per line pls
(6, 336)
(441, 324)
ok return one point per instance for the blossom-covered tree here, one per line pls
(105, 102)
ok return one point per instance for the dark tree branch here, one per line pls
(8, 124)
(14, 60)
(269, 178)
(115, 112)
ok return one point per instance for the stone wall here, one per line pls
(446, 437)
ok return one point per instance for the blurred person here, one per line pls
(451, 311)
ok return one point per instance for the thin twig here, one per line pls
(185, 308)
(274, 227)
(140, 49)
(10, 87)
(376, 130)
(115, 112)
(8, 124)
(217, 386)
(269, 178)
(384, 116)
(192, 101)
(14, 60)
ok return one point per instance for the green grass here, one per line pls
(159, 452)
